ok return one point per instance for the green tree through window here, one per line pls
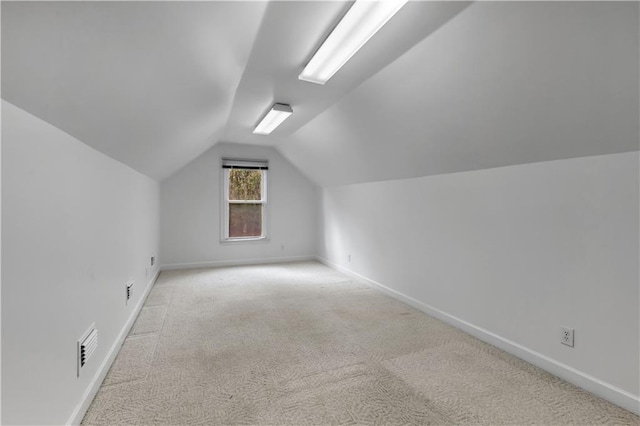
(245, 184)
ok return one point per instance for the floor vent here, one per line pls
(86, 347)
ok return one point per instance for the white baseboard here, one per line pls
(238, 262)
(98, 378)
(611, 393)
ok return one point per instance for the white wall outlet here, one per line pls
(153, 260)
(349, 257)
(566, 336)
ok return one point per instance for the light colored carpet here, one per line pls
(301, 344)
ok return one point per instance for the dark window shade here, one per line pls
(234, 163)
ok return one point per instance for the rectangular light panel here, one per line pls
(275, 117)
(357, 26)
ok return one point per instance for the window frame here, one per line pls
(226, 202)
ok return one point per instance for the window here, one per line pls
(245, 199)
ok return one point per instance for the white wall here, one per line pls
(517, 251)
(190, 212)
(76, 226)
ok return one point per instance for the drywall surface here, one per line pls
(501, 83)
(191, 206)
(518, 251)
(76, 227)
(130, 78)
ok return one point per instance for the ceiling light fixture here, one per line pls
(357, 26)
(276, 115)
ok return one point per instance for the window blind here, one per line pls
(235, 163)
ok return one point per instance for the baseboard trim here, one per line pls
(98, 378)
(238, 262)
(611, 393)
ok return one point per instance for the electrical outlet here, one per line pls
(153, 260)
(349, 257)
(566, 336)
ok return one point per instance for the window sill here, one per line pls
(257, 240)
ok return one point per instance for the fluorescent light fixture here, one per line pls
(360, 23)
(275, 117)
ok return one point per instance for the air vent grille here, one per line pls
(129, 290)
(86, 347)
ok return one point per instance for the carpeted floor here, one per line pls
(301, 344)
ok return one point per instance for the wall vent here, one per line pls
(129, 291)
(86, 347)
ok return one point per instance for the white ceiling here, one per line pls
(500, 84)
(149, 84)
(290, 34)
(443, 87)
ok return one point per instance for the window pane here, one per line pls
(245, 220)
(245, 184)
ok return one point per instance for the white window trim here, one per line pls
(224, 237)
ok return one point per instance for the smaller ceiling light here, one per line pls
(275, 117)
(359, 24)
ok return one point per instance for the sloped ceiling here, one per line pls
(500, 84)
(443, 87)
(148, 84)
(286, 42)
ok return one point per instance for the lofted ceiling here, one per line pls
(148, 84)
(443, 87)
(500, 84)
